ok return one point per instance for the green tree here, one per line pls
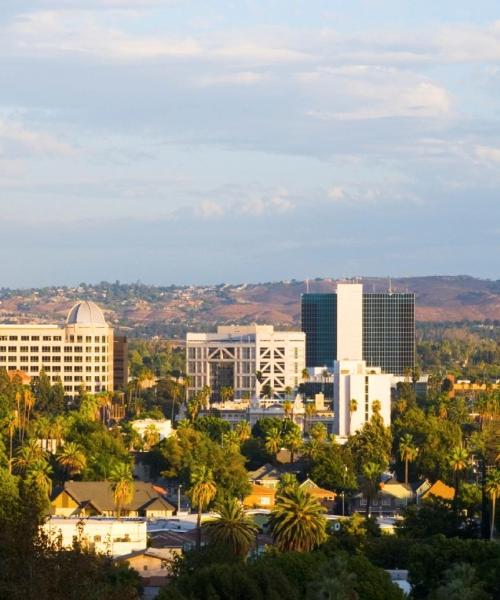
(232, 529)
(123, 486)
(293, 443)
(40, 472)
(407, 451)
(297, 521)
(201, 492)
(492, 488)
(458, 461)
(72, 458)
(370, 483)
(273, 442)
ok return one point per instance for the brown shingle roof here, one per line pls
(100, 495)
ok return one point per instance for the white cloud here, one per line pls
(209, 209)
(237, 78)
(487, 153)
(37, 142)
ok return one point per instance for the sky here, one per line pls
(188, 141)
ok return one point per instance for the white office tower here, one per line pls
(349, 321)
(249, 359)
(357, 388)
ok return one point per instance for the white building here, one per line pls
(248, 359)
(354, 381)
(162, 426)
(104, 535)
(78, 352)
(349, 321)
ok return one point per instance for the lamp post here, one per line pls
(179, 498)
(343, 491)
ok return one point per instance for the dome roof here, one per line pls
(86, 313)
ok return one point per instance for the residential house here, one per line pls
(324, 497)
(91, 498)
(439, 490)
(261, 496)
(391, 499)
(267, 475)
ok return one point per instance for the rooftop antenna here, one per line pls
(390, 285)
(307, 286)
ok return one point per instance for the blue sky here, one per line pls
(177, 141)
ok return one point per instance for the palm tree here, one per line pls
(287, 408)
(39, 473)
(305, 374)
(458, 461)
(312, 448)
(29, 402)
(273, 441)
(243, 430)
(288, 391)
(370, 483)
(226, 394)
(201, 492)
(11, 424)
(353, 407)
(231, 440)
(151, 435)
(492, 488)
(232, 529)
(293, 442)
(318, 432)
(376, 407)
(27, 455)
(72, 458)
(407, 451)
(297, 521)
(310, 410)
(123, 485)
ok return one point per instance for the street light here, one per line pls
(179, 498)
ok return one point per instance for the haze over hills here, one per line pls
(171, 310)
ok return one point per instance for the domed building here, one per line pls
(81, 352)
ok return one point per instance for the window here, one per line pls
(68, 369)
(78, 369)
(13, 338)
(34, 369)
(25, 338)
(68, 359)
(79, 339)
(46, 367)
(57, 369)
(56, 349)
(34, 349)
(3, 359)
(103, 339)
(47, 338)
(68, 348)
(24, 349)
(68, 388)
(3, 348)
(88, 348)
(33, 358)
(96, 339)
(45, 358)
(56, 359)
(97, 369)
(88, 339)
(78, 359)
(96, 349)
(12, 359)
(12, 348)
(78, 349)
(24, 359)
(3, 338)
(57, 338)
(71, 338)
(35, 338)
(45, 348)
(88, 369)
(68, 378)
(362, 502)
(12, 367)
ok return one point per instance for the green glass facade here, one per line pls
(319, 323)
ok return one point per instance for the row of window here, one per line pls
(48, 359)
(55, 338)
(34, 349)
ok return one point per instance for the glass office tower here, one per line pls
(388, 322)
(389, 331)
(319, 323)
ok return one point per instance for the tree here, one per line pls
(243, 430)
(376, 407)
(122, 485)
(492, 488)
(201, 492)
(226, 394)
(297, 521)
(151, 435)
(293, 443)
(288, 408)
(305, 375)
(232, 529)
(72, 458)
(39, 473)
(458, 461)
(318, 432)
(309, 411)
(370, 483)
(407, 451)
(26, 455)
(11, 425)
(273, 442)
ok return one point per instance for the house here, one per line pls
(91, 498)
(391, 499)
(103, 535)
(324, 497)
(267, 475)
(261, 496)
(439, 490)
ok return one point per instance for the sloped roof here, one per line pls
(440, 490)
(315, 490)
(100, 495)
(395, 488)
(267, 471)
(262, 490)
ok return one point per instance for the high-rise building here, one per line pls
(252, 360)
(378, 328)
(77, 353)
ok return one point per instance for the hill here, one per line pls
(170, 311)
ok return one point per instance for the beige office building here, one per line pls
(78, 352)
(234, 355)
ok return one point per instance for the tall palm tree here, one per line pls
(492, 488)
(293, 442)
(29, 402)
(458, 461)
(273, 441)
(72, 458)
(11, 425)
(39, 473)
(27, 455)
(243, 430)
(370, 483)
(201, 492)
(231, 440)
(122, 485)
(407, 451)
(297, 521)
(232, 529)
(287, 408)
(151, 435)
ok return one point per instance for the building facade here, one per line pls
(357, 388)
(77, 353)
(378, 328)
(253, 360)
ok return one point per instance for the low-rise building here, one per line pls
(163, 427)
(91, 498)
(103, 535)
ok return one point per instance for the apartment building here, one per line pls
(77, 352)
(252, 360)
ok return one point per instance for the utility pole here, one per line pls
(179, 498)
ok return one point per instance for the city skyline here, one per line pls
(142, 139)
